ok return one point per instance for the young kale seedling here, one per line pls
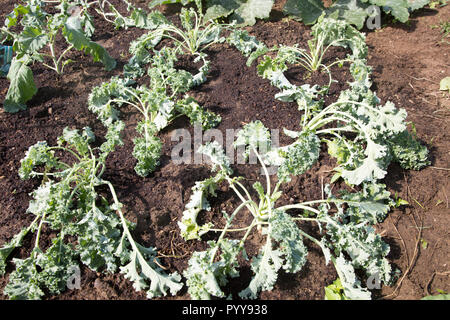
(88, 226)
(156, 103)
(195, 36)
(348, 239)
(37, 42)
(379, 133)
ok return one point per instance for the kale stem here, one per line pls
(244, 238)
(62, 56)
(298, 206)
(66, 149)
(231, 230)
(226, 228)
(231, 182)
(246, 193)
(265, 171)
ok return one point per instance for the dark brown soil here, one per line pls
(408, 63)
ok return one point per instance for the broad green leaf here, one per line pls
(251, 10)
(417, 4)
(220, 8)
(31, 40)
(13, 18)
(352, 11)
(78, 39)
(306, 10)
(155, 3)
(398, 8)
(21, 88)
(335, 291)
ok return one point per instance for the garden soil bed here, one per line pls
(408, 62)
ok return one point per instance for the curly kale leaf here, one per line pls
(408, 152)
(98, 237)
(57, 264)
(8, 248)
(253, 136)
(349, 280)
(286, 233)
(196, 114)
(24, 281)
(365, 248)
(188, 225)
(265, 267)
(298, 157)
(371, 204)
(205, 277)
(142, 268)
(217, 156)
(147, 151)
(38, 154)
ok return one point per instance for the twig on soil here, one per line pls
(413, 260)
(161, 266)
(436, 244)
(419, 203)
(439, 168)
(434, 104)
(419, 79)
(401, 239)
(172, 246)
(321, 187)
(427, 288)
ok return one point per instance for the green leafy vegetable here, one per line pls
(36, 40)
(353, 11)
(157, 103)
(307, 10)
(250, 10)
(69, 203)
(335, 291)
(349, 231)
(22, 87)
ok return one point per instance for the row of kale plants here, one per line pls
(363, 135)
